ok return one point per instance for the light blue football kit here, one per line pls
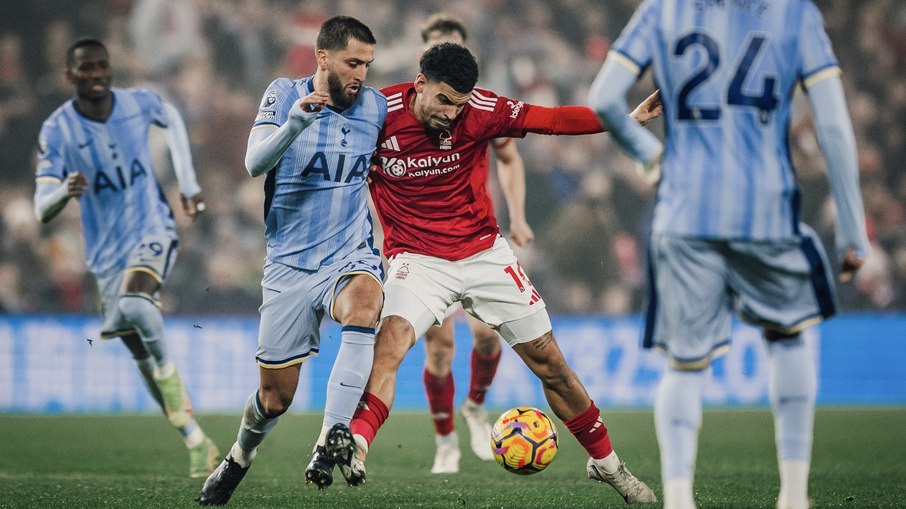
(127, 223)
(727, 71)
(318, 227)
(726, 233)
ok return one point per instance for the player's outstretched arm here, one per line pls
(51, 195)
(268, 143)
(180, 151)
(607, 97)
(511, 172)
(838, 144)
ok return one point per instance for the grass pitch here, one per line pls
(139, 461)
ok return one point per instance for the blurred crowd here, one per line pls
(214, 58)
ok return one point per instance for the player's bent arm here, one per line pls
(607, 97)
(51, 196)
(268, 143)
(511, 171)
(838, 144)
(180, 151)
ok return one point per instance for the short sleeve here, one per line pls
(497, 116)
(636, 41)
(276, 103)
(153, 106)
(816, 54)
(51, 166)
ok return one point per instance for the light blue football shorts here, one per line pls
(695, 285)
(155, 255)
(295, 300)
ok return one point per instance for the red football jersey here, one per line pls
(430, 191)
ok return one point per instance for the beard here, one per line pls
(337, 91)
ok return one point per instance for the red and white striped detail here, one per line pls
(482, 102)
(395, 102)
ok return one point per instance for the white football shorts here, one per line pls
(491, 286)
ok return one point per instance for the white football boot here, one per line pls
(446, 458)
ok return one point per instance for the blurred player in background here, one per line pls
(94, 148)
(726, 230)
(439, 340)
(444, 246)
(314, 138)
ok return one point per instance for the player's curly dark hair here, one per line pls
(336, 32)
(451, 64)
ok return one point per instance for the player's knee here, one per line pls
(275, 403)
(553, 377)
(487, 343)
(135, 307)
(394, 337)
(365, 314)
(438, 360)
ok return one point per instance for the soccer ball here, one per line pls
(524, 440)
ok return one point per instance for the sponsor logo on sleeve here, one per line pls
(516, 107)
(269, 99)
(265, 115)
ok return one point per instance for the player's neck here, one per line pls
(98, 110)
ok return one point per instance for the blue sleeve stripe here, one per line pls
(356, 328)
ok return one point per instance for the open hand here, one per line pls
(649, 109)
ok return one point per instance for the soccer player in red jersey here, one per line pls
(444, 246)
(439, 340)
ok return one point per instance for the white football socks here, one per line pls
(252, 431)
(347, 377)
(677, 418)
(792, 390)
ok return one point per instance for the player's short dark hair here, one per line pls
(444, 23)
(336, 32)
(82, 43)
(451, 64)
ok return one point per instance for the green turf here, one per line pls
(138, 461)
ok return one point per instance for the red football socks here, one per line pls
(483, 371)
(368, 417)
(440, 400)
(590, 431)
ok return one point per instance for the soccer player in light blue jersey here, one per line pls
(94, 148)
(313, 138)
(726, 233)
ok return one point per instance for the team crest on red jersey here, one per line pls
(446, 140)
